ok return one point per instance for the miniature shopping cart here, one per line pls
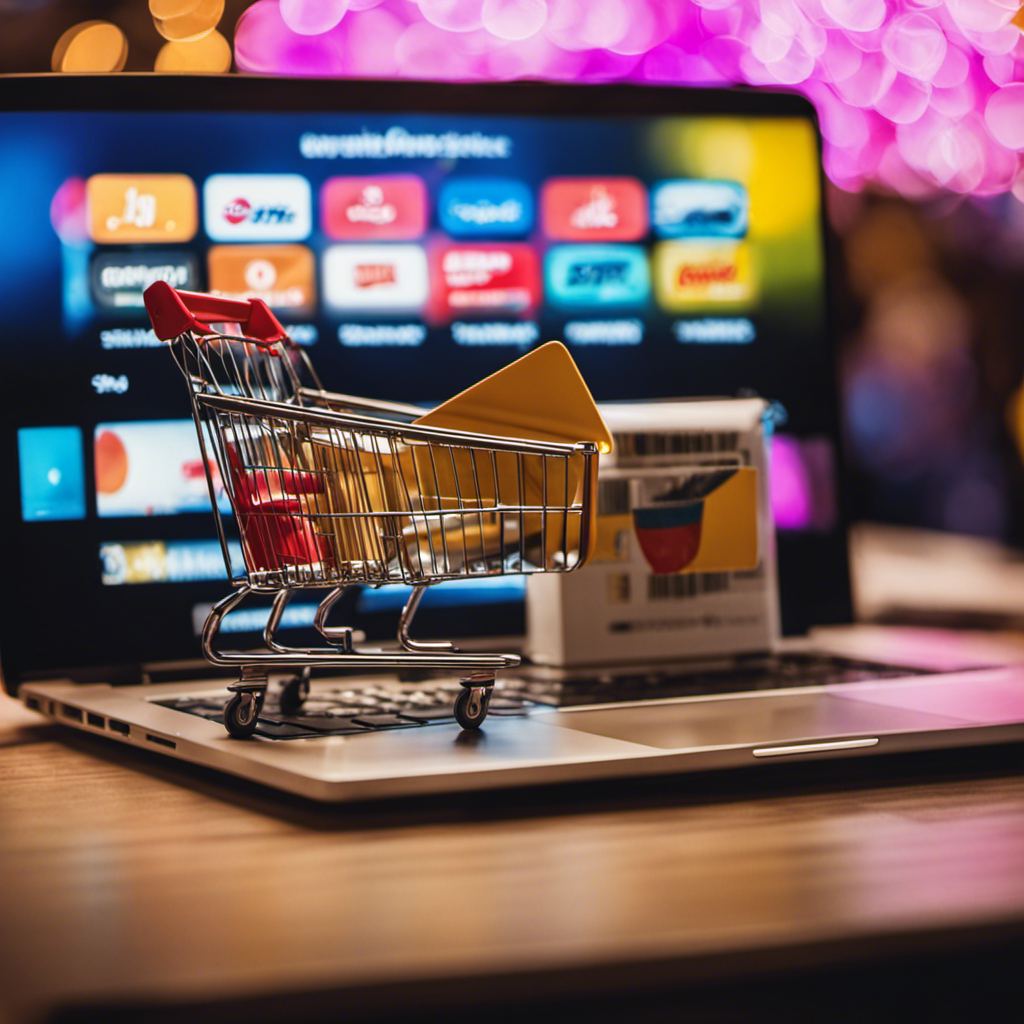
(328, 491)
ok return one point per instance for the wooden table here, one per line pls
(131, 883)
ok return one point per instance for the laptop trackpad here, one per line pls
(770, 719)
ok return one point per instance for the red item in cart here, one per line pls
(275, 527)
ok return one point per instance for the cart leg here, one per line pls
(242, 711)
(337, 636)
(294, 692)
(281, 599)
(404, 623)
(472, 703)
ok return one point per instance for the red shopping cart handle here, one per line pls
(174, 313)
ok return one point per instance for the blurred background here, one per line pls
(922, 110)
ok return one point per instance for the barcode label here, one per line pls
(681, 587)
(650, 444)
(757, 573)
(612, 497)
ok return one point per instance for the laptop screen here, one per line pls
(414, 238)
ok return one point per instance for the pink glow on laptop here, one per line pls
(988, 698)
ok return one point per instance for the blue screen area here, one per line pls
(52, 473)
(412, 255)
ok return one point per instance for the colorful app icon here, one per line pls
(257, 207)
(118, 279)
(150, 468)
(689, 274)
(165, 561)
(135, 208)
(485, 279)
(375, 278)
(390, 208)
(699, 209)
(597, 275)
(594, 209)
(52, 472)
(485, 207)
(281, 275)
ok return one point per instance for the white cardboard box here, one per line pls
(616, 609)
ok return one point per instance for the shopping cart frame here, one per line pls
(271, 402)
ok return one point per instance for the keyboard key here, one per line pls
(435, 714)
(386, 721)
(213, 715)
(283, 730)
(323, 724)
(329, 711)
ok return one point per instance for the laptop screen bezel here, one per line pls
(252, 95)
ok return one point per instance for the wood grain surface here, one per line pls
(126, 878)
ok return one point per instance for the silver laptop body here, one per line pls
(113, 579)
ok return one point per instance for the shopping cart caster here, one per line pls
(471, 706)
(294, 693)
(242, 714)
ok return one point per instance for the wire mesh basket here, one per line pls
(327, 491)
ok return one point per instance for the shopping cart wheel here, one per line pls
(242, 713)
(294, 692)
(471, 706)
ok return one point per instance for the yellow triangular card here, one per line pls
(541, 397)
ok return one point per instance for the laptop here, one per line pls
(711, 201)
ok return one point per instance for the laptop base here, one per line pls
(387, 753)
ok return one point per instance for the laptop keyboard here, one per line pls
(333, 710)
(742, 676)
(338, 710)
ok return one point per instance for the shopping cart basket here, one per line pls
(325, 491)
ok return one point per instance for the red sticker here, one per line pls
(591, 209)
(386, 208)
(473, 280)
(484, 280)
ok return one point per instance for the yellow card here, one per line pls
(540, 397)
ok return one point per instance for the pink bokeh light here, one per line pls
(312, 17)
(802, 483)
(69, 212)
(791, 495)
(920, 96)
